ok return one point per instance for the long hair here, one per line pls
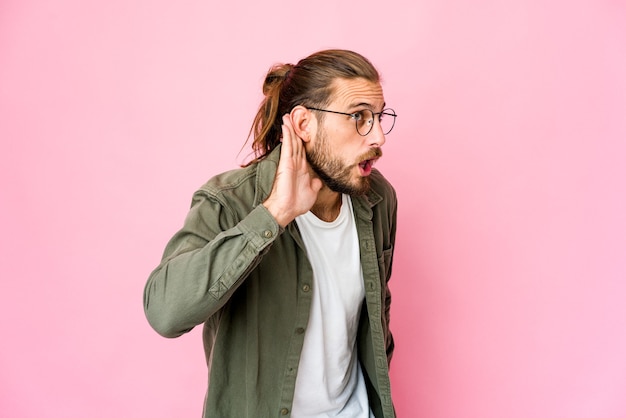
(308, 83)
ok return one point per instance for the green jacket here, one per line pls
(235, 270)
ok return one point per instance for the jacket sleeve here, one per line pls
(204, 263)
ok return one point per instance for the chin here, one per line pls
(361, 187)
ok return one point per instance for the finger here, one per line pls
(287, 149)
(298, 143)
(297, 148)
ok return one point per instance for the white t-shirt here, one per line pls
(330, 382)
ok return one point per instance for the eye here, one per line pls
(357, 116)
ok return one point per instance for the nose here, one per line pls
(376, 137)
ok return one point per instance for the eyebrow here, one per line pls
(368, 105)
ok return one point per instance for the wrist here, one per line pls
(282, 216)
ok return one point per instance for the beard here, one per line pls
(335, 174)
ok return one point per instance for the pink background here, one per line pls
(509, 158)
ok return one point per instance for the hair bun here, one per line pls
(288, 68)
(276, 76)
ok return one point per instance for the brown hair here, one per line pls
(308, 83)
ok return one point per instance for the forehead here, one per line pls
(357, 92)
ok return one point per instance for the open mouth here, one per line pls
(368, 161)
(366, 166)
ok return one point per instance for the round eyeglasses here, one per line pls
(364, 119)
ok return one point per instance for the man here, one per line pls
(286, 260)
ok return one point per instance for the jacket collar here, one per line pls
(265, 173)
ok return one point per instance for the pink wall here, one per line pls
(509, 158)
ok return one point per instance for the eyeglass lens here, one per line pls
(387, 119)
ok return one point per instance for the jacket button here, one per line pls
(299, 330)
(267, 234)
(306, 288)
(284, 411)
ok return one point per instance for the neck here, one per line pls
(328, 205)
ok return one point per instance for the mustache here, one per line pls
(373, 153)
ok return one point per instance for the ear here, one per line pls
(303, 122)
